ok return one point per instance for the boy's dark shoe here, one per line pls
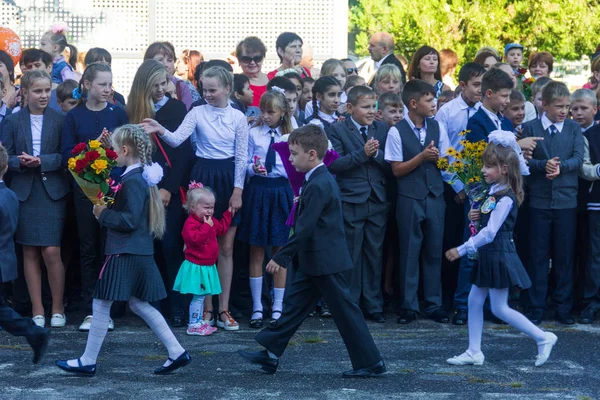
(438, 315)
(564, 318)
(406, 317)
(38, 340)
(460, 317)
(262, 358)
(588, 315)
(535, 316)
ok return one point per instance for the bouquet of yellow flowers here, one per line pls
(90, 166)
(467, 167)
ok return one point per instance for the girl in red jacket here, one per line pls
(198, 273)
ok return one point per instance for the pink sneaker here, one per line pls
(201, 329)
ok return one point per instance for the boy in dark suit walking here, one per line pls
(320, 256)
(12, 322)
(361, 175)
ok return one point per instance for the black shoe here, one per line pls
(565, 318)
(588, 315)
(256, 323)
(377, 317)
(179, 362)
(177, 322)
(368, 372)
(535, 316)
(460, 317)
(439, 315)
(80, 370)
(325, 313)
(262, 358)
(38, 342)
(274, 320)
(406, 317)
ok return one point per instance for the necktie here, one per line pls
(553, 130)
(363, 133)
(270, 161)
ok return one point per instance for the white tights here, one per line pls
(500, 308)
(99, 328)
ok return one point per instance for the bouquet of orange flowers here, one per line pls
(467, 167)
(90, 166)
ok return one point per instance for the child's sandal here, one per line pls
(230, 324)
(256, 323)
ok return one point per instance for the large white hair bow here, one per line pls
(152, 174)
(507, 139)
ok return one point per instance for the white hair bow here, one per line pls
(152, 174)
(507, 139)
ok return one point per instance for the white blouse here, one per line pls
(36, 133)
(217, 134)
(488, 233)
(259, 140)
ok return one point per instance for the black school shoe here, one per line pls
(438, 315)
(179, 362)
(460, 317)
(406, 317)
(38, 341)
(588, 315)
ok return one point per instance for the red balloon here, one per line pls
(10, 43)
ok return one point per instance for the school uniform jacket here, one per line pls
(318, 242)
(480, 126)
(9, 214)
(17, 138)
(356, 174)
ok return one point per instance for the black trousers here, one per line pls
(301, 299)
(168, 253)
(13, 323)
(90, 246)
(552, 233)
(592, 273)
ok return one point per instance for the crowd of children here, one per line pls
(220, 143)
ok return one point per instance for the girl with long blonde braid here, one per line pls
(129, 272)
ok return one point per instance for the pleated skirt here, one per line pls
(127, 275)
(219, 176)
(41, 219)
(267, 203)
(498, 266)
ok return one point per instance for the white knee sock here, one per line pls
(97, 333)
(278, 301)
(256, 290)
(159, 326)
(477, 297)
(196, 309)
(500, 308)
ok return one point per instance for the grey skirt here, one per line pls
(41, 219)
(127, 275)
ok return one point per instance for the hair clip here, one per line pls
(278, 89)
(195, 185)
(286, 71)
(60, 27)
(76, 93)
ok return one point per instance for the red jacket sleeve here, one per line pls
(195, 232)
(221, 226)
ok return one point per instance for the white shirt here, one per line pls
(488, 233)
(393, 148)
(309, 173)
(583, 130)
(494, 117)
(453, 116)
(217, 134)
(546, 123)
(36, 133)
(132, 166)
(378, 63)
(259, 140)
(159, 104)
(329, 118)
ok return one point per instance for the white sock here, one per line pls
(256, 290)
(97, 333)
(196, 309)
(477, 297)
(278, 300)
(500, 308)
(159, 326)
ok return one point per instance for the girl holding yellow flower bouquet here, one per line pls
(92, 120)
(32, 138)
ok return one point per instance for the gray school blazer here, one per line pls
(16, 138)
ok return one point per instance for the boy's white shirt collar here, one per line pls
(546, 123)
(590, 126)
(309, 173)
(465, 105)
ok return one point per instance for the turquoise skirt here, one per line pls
(197, 279)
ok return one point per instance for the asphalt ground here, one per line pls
(311, 367)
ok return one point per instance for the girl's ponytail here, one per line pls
(73, 53)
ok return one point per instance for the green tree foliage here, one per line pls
(566, 28)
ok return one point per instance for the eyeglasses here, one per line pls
(351, 70)
(248, 60)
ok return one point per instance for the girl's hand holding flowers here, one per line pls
(474, 215)
(452, 254)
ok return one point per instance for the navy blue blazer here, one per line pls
(356, 174)
(127, 220)
(480, 126)
(9, 214)
(17, 138)
(318, 242)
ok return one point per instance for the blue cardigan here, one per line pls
(480, 126)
